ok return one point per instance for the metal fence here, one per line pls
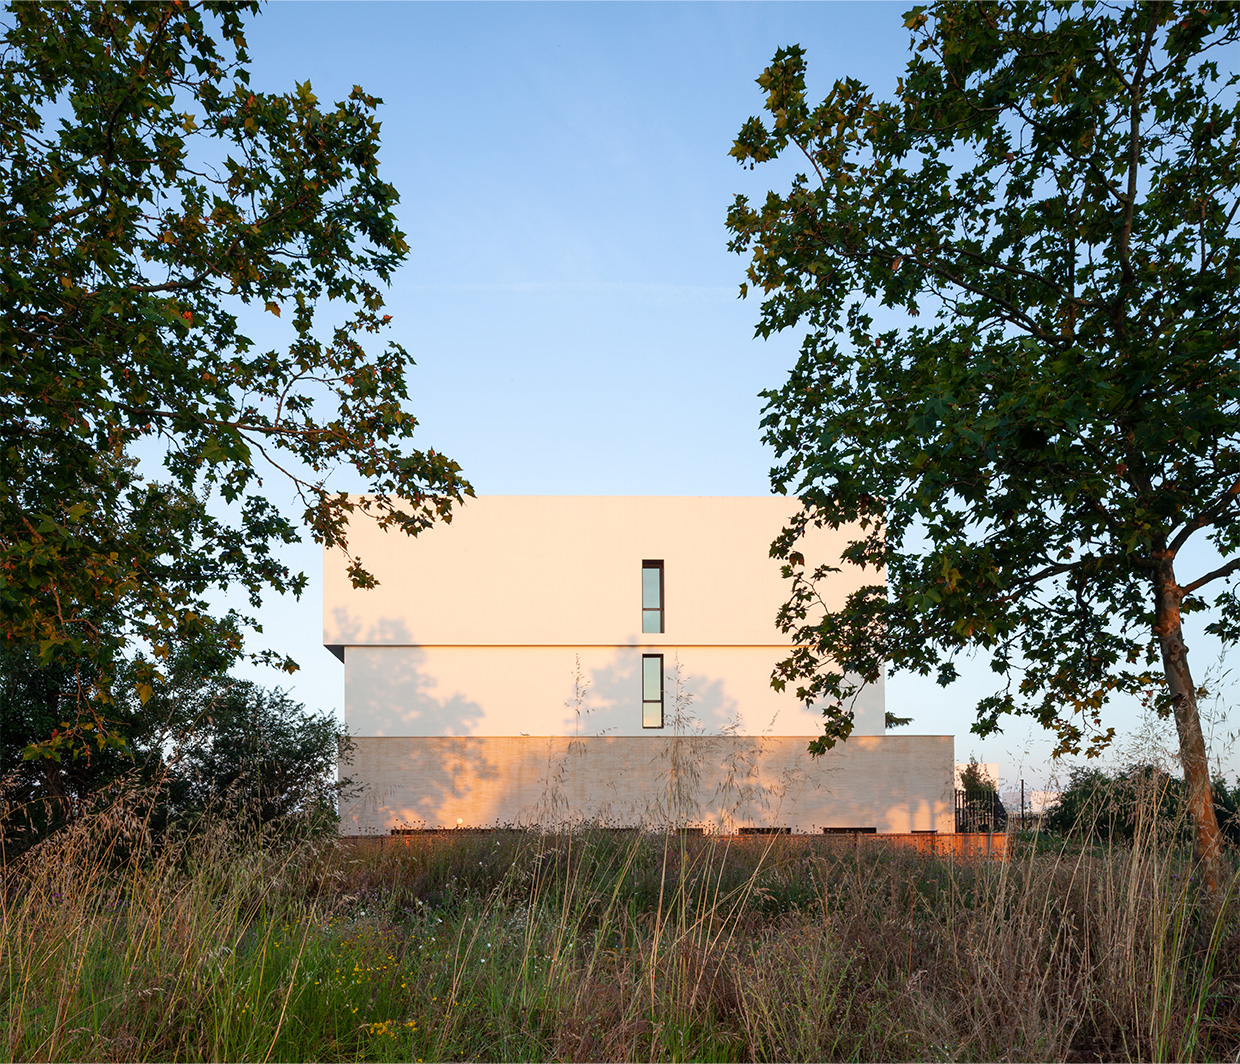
(979, 809)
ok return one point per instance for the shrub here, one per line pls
(1110, 805)
(265, 754)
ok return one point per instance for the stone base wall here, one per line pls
(720, 783)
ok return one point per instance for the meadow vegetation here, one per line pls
(229, 944)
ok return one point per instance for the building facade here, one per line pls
(576, 658)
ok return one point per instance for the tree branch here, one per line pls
(1222, 570)
(1206, 517)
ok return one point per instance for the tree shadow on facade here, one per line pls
(707, 772)
(390, 695)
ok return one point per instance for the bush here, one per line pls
(200, 741)
(1110, 805)
(266, 755)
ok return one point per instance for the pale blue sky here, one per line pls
(569, 299)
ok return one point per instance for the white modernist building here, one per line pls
(576, 658)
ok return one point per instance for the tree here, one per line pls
(1114, 805)
(981, 808)
(39, 794)
(200, 743)
(1058, 185)
(153, 207)
(264, 752)
(974, 777)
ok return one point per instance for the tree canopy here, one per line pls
(202, 745)
(153, 206)
(1056, 188)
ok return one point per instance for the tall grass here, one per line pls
(606, 945)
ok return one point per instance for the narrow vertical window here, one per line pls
(652, 596)
(652, 690)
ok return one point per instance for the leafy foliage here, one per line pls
(1058, 186)
(1109, 805)
(201, 743)
(153, 207)
(42, 793)
(263, 753)
(973, 777)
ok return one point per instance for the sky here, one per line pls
(569, 299)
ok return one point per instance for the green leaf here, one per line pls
(1040, 446)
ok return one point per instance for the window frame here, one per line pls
(651, 702)
(656, 564)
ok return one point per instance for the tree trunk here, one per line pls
(57, 801)
(1206, 843)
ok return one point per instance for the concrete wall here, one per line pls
(492, 642)
(892, 783)
(411, 691)
(476, 626)
(566, 570)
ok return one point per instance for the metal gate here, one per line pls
(979, 809)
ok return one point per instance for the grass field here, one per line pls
(604, 945)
